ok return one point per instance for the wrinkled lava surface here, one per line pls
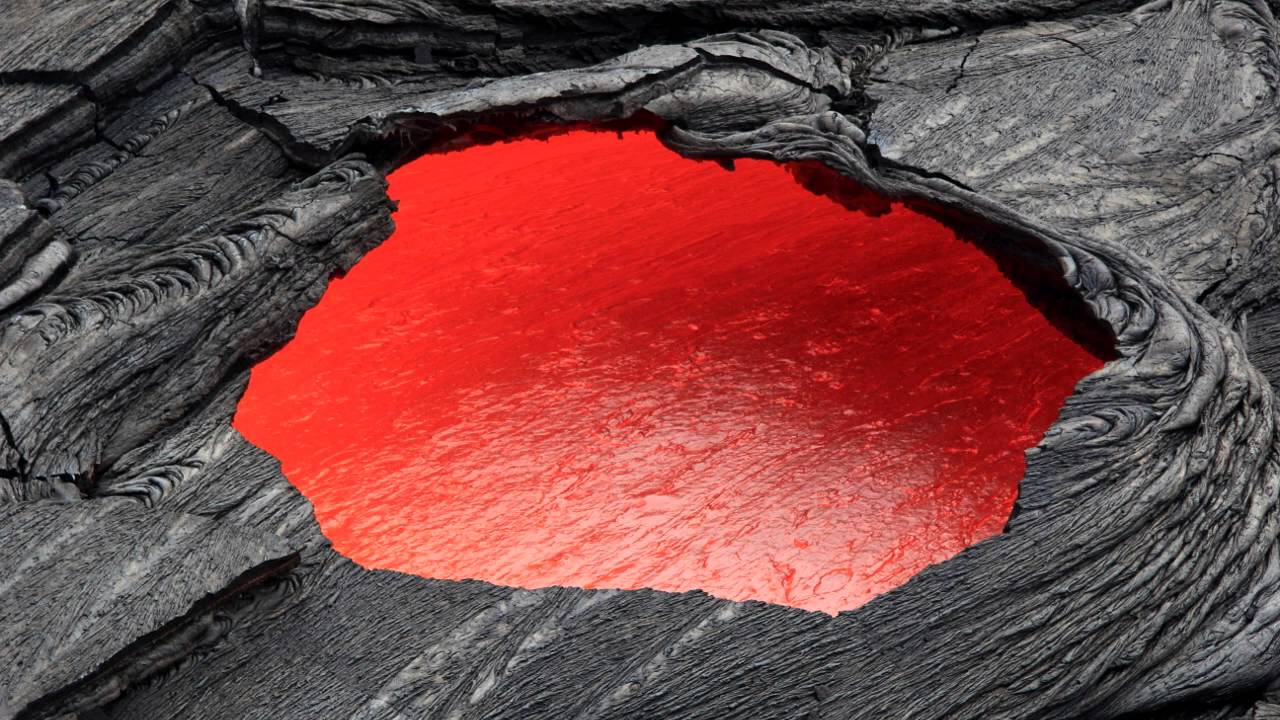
(588, 361)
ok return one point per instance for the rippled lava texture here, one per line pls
(588, 361)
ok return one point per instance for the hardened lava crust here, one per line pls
(179, 179)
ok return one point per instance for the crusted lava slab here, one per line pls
(180, 178)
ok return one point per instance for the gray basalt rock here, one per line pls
(97, 577)
(177, 188)
(1159, 123)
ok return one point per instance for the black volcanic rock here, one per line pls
(133, 571)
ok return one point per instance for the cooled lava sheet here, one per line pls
(181, 179)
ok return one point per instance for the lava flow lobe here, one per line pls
(588, 361)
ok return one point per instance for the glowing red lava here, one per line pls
(588, 361)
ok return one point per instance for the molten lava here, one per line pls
(588, 361)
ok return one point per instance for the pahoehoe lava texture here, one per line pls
(179, 179)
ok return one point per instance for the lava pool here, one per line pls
(588, 361)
